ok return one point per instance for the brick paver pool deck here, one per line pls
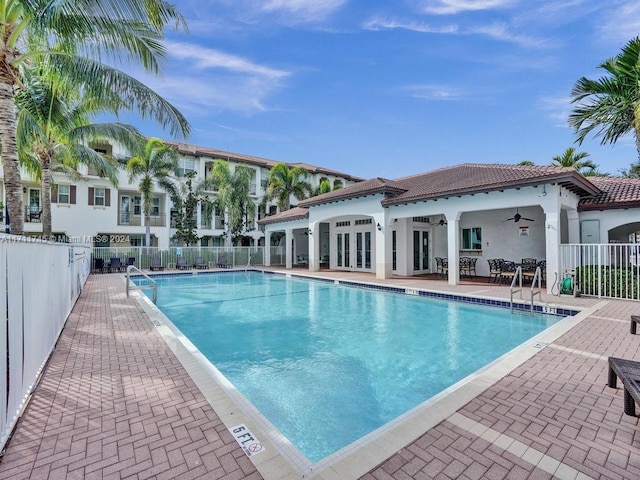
(115, 403)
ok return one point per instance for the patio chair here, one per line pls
(156, 264)
(442, 266)
(324, 261)
(628, 371)
(199, 263)
(222, 262)
(115, 264)
(508, 271)
(131, 261)
(181, 263)
(495, 268)
(468, 266)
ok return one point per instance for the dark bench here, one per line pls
(635, 320)
(629, 373)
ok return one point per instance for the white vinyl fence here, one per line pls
(39, 284)
(603, 270)
(141, 256)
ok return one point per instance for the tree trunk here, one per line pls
(46, 197)
(147, 222)
(12, 182)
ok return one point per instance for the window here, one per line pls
(64, 194)
(365, 221)
(155, 206)
(343, 224)
(137, 206)
(98, 196)
(186, 165)
(420, 219)
(472, 238)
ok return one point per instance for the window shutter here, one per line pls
(107, 197)
(54, 193)
(72, 194)
(90, 195)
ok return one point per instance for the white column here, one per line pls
(314, 247)
(552, 238)
(267, 248)
(574, 225)
(288, 241)
(384, 247)
(403, 246)
(453, 246)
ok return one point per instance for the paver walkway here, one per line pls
(115, 403)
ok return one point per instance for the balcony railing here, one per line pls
(217, 223)
(126, 218)
(33, 214)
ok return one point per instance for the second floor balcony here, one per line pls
(157, 219)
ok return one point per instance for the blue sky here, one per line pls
(392, 88)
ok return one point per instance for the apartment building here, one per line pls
(92, 210)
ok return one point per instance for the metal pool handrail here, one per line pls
(537, 276)
(153, 285)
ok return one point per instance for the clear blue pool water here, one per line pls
(327, 364)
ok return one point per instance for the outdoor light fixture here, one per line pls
(310, 232)
(379, 227)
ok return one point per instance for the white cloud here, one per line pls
(202, 81)
(207, 58)
(449, 7)
(558, 108)
(385, 24)
(297, 11)
(620, 21)
(435, 92)
(496, 31)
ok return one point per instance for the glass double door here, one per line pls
(420, 251)
(353, 251)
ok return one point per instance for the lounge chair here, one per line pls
(181, 263)
(115, 264)
(131, 261)
(628, 371)
(222, 262)
(156, 264)
(199, 263)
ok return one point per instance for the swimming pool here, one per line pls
(327, 364)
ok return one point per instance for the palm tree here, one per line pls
(324, 187)
(526, 163)
(610, 106)
(571, 158)
(153, 164)
(72, 34)
(233, 196)
(283, 182)
(53, 135)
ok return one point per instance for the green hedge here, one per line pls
(614, 281)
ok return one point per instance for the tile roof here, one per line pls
(214, 153)
(472, 178)
(295, 213)
(360, 189)
(458, 180)
(614, 193)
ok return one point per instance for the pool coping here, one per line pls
(281, 459)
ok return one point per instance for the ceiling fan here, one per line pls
(517, 217)
(441, 222)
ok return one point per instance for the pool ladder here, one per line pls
(537, 276)
(131, 286)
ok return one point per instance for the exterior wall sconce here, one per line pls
(379, 227)
(310, 232)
